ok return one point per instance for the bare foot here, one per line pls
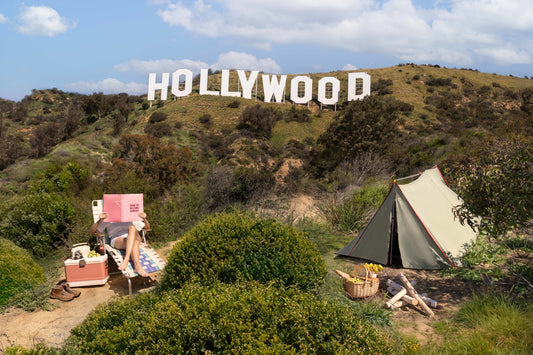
(140, 271)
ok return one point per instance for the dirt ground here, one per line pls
(52, 328)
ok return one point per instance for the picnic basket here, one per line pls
(367, 284)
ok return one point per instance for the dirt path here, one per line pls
(52, 328)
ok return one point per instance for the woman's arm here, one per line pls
(145, 221)
(94, 227)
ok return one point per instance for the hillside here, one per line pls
(449, 105)
(322, 172)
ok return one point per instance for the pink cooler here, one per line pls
(93, 273)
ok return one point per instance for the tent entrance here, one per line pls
(394, 258)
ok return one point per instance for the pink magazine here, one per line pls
(123, 207)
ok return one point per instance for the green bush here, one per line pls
(248, 318)
(159, 129)
(233, 247)
(354, 214)
(37, 222)
(18, 271)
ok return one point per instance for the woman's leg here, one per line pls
(131, 244)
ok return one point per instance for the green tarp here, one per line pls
(415, 227)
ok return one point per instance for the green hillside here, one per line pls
(204, 160)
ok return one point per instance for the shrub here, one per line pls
(258, 120)
(369, 125)
(232, 247)
(18, 271)
(248, 318)
(297, 115)
(234, 104)
(158, 130)
(145, 157)
(496, 184)
(206, 119)
(353, 214)
(61, 178)
(38, 222)
(157, 116)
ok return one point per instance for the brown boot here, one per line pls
(59, 293)
(67, 288)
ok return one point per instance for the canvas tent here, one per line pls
(415, 227)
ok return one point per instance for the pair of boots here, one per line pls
(63, 292)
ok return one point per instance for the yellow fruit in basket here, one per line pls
(356, 280)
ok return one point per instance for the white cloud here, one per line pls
(349, 67)
(160, 66)
(3, 19)
(245, 61)
(458, 32)
(108, 86)
(42, 21)
(229, 60)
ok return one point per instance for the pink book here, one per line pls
(123, 207)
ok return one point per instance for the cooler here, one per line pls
(87, 271)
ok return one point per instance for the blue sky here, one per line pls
(111, 46)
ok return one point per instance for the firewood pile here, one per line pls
(407, 294)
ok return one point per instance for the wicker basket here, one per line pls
(367, 288)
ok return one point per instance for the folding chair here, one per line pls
(150, 260)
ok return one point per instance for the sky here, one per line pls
(111, 46)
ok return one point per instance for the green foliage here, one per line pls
(369, 125)
(234, 104)
(71, 177)
(354, 213)
(488, 324)
(248, 318)
(233, 247)
(38, 222)
(146, 158)
(157, 116)
(159, 129)
(174, 213)
(18, 271)
(259, 120)
(496, 185)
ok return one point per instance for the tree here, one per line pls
(496, 185)
(369, 125)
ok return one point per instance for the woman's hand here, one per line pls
(103, 215)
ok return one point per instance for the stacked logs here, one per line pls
(408, 295)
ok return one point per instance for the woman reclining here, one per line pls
(125, 236)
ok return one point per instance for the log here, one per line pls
(415, 295)
(394, 286)
(398, 305)
(405, 298)
(430, 302)
(398, 286)
(396, 298)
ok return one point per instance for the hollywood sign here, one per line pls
(301, 86)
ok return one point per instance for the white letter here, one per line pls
(353, 88)
(224, 90)
(274, 88)
(308, 93)
(335, 88)
(176, 82)
(153, 86)
(203, 84)
(247, 84)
